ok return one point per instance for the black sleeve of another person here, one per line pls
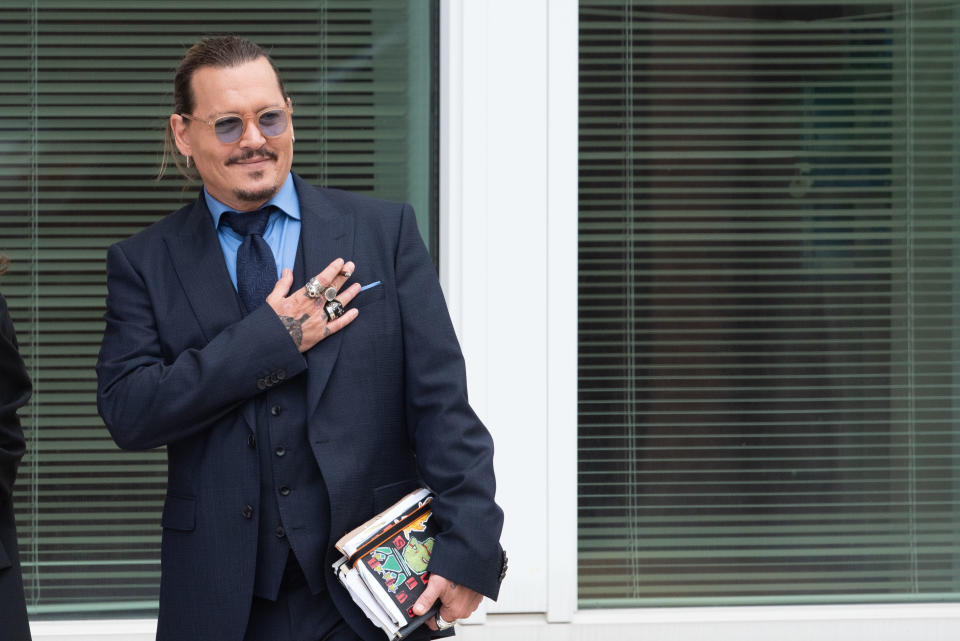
(14, 392)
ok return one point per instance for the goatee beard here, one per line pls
(261, 195)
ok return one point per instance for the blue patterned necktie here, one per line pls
(256, 266)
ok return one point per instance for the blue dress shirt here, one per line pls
(282, 233)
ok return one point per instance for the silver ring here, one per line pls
(443, 624)
(334, 309)
(315, 289)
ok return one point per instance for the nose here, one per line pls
(252, 136)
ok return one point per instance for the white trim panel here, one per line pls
(95, 630)
(562, 250)
(922, 622)
(494, 184)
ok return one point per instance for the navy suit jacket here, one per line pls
(14, 392)
(386, 402)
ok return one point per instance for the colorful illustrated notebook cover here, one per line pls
(394, 562)
(384, 567)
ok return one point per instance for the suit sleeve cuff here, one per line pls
(275, 352)
(480, 575)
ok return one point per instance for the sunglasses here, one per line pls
(271, 122)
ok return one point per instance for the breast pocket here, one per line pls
(367, 297)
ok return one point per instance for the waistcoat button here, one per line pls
(284, 491)
(247, 511)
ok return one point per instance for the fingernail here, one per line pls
(418, 609)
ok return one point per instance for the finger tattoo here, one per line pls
(326, 331)
(295, 327)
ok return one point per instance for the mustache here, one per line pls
(251, 154)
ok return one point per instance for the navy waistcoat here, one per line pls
(294, 507)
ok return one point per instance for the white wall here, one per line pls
(508, 265)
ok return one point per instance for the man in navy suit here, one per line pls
(294, 402)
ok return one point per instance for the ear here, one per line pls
(178, 125)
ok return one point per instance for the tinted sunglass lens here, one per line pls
(228, 129)
(273, 122)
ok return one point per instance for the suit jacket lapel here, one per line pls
(326, 234)
(197, 257)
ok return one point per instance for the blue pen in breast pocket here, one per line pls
(373, 284)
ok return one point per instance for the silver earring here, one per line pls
(293, 139)
(188, 162)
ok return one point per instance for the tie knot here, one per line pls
(249, 223)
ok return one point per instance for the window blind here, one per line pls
(768, 344)
(85, 90)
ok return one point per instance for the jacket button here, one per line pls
(280, 451)
(281, 374)
(251, 441)
(280, 532)
(247, 511)
(261, 383)
(284, 491)
(274, 378)
(275, 410)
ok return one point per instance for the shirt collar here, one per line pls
(286, 200)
